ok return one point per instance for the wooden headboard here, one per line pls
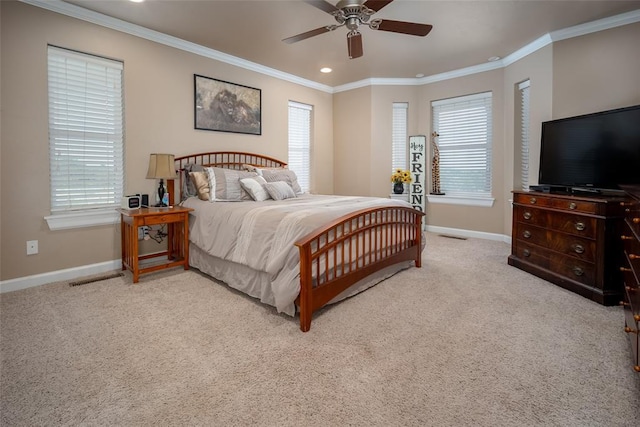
(220, 159)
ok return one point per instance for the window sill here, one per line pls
(485, 202)
(89, 218)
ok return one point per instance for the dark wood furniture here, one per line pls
(177, 220)
(572, 241)
(631, 272)
(328, 263)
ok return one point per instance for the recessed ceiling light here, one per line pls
(419, 75)
(325, 70)
(137, 1)
(494, 58)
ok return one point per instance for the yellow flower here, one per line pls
(400, 176)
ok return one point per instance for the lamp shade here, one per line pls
(161, 166)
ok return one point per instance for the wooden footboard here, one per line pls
(338, 255)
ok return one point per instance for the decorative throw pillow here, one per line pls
(201, 183)
(279, 190)
(188, 187)
(225, 184)
(255, 187)
(286, 175)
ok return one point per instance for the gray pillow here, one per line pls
(279, 190)
(225, 185)
(188, 187)
(286, 175)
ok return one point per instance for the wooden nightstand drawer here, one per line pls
(162, 219)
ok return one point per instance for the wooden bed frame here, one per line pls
(386, 236)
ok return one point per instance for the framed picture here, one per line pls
(227, 107)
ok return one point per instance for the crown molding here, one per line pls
(155, 36)
(167, 40)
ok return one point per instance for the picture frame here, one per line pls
(226, 107)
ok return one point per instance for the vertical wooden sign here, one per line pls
(417, 166)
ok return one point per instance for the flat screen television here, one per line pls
(598, 151)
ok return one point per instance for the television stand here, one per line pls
(572, 241)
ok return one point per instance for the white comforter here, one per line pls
(261, 235)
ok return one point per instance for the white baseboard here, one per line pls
(469, 233)
(59, 275)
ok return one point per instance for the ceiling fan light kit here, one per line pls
(355, 13)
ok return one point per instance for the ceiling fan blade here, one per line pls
(354, 45)
(376, 5)
(306, 35)
(402, 27)
(322, 5)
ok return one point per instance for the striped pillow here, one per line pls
(225, 184)
(286, 175)
(279, 190)
(255, 187)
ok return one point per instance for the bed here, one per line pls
(299, 253)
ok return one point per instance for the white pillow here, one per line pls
(279, 190)
(255, 187)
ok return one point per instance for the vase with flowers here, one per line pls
(399, 178)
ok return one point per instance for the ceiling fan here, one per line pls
(353, 14)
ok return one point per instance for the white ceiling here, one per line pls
(465, 33)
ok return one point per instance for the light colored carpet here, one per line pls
(465, 341)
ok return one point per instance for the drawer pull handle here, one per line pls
(630, 289)
(636, 317)
(526, 253)
(636, 220)
(578, 271)
(572, 206)
(623, 237)
(630, 330)
(579, 249)
(634, 256)
(527, 215)
(625, 269)
(526, 234)
(580, 226)
(624, 304)
(626, 203)
(533, 201)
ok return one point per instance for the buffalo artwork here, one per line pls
(226, 107)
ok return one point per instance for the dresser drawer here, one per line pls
(633, 223)
(567, 266)
(578, 225)
(567, 204)
(567, 244)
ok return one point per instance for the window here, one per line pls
(85, 132)
(523, 112)
(464, 128)
(300, 142)
(399, 136)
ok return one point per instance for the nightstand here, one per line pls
(177, 220)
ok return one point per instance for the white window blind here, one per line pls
(524, 89)
(399, 136)
(300, 142)
(85, 131)
(464, 126)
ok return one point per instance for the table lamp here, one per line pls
(161, 166)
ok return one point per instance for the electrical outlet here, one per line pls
(143, 231)
(32, 247)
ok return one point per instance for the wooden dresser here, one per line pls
(572, 241)
(631, 272)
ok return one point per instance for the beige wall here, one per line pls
(597, 72)
(352, 142)
(158, 85)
